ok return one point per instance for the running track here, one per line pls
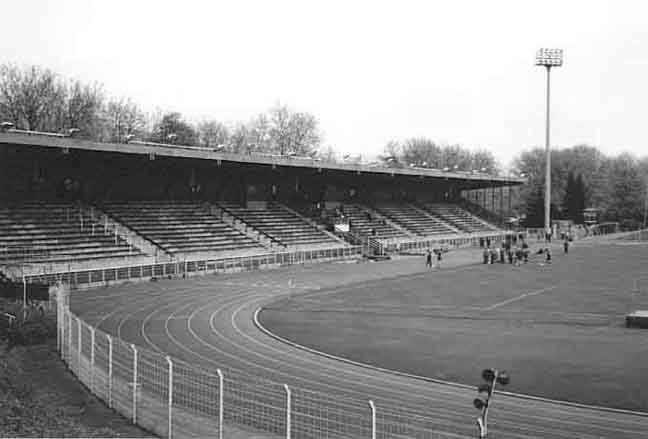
(208, 321)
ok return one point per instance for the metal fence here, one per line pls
(464, 241)
(124, 273)
(174, 399)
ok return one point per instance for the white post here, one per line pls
(288, 410)
(59, 327)
(110, 367)
(220, 403)
(373, 419)
(92, 358)
(170, 428)
(24, 298)
(78, 347)
(134, 383)
(69, 349)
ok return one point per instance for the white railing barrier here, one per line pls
(129, 272)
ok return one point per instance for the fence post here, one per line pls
(110, 367)
(59, 327)
(220, 403)
(288, 410)
(69, 347)
(132, 346)
(373, 419)
(78, 347)
(170, 429)
(92, 358)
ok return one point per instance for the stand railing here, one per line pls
(125, 273)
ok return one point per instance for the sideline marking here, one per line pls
(521, 296)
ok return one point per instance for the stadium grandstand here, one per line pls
(71, 205)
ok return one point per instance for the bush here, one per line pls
(38, 327)
(31, 332)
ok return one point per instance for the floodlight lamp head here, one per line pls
(549, 57)
(503, 378)
(489, 374)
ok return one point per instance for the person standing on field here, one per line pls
(438, 252)
(428, 259)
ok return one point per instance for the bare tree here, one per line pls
(420, 151)
(30, 98)
(82, 108)
(239, 141)
(123, 118)
(259, 133)
(292, 132)
(212, 133)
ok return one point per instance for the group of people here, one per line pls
(518, 254)
(438, 252)
(515, 253)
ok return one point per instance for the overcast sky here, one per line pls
(454, 71)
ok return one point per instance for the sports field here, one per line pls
(557, 329)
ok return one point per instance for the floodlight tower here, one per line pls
(548, 58)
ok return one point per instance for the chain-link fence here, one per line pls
(174, 399)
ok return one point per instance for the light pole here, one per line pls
(548, 58)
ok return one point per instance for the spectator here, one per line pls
(438, 252)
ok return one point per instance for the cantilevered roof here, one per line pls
(18, 137)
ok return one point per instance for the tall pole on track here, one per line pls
(548, 58)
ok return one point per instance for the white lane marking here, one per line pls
(520, 297)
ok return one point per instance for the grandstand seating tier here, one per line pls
(180, 227)
(281, 224)
(38, 232)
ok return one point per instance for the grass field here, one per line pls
(558, 329)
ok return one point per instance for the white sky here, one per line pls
(455, 71)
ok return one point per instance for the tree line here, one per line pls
(38, 99)
(426, 153)
(583, 177)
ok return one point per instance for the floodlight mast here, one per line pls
(548, 58)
